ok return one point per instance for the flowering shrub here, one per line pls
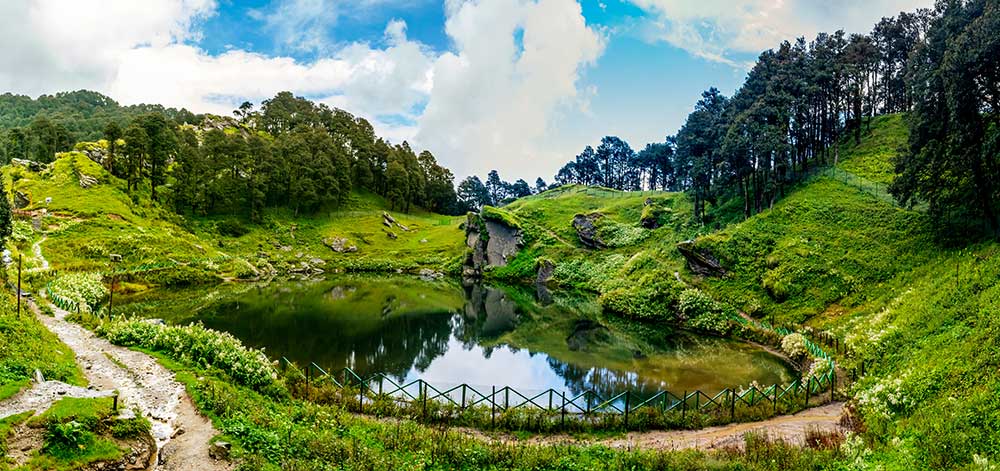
(794, 345)
(885, 398)
(699, 311)
(819, 368)
(196, 344)
(85, 289)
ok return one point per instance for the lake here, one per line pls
(446, 334)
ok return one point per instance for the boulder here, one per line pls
(340, 245)
(428, 274)
(21, 200)
(30, 164)
(391, 235)
(493, 243)
(700, 261)
(388, 217)
(545, 270)
(586, 229)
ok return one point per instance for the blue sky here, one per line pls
(516, 85)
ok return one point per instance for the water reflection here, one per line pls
(479, 335)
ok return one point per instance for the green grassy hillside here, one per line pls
(928, 316)
(635, 273)
(84, 224)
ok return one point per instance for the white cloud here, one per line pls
(493, 101)
(492, 105)
(52, 45)
(716, 29)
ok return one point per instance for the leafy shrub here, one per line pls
(196, 344)
(654, 302)
(693, 302)
(85, 289)
(131, 428)
(819, 368)
(66, 436)
(231, 228)
(794, 345)
(620, 235)
(699, 311)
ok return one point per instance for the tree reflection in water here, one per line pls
(407, 328)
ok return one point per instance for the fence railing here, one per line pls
(725, 404)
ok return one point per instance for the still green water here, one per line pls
(447, 334)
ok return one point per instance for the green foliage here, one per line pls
(198, 345)
(231, 228)
(794, 345)
(85, 289)
(26, 345)
(505, 217)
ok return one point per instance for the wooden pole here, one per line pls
(19, 257)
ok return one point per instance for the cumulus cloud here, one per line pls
(494, 99)
(718, 29)
(491, 101)
(52, 45)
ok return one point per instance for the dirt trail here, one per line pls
(788, 428)
(182, 435)
(43, 264)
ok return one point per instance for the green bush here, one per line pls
(231, 228)
(85, 289)
(794, 345)
(198, 345)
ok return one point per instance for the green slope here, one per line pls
(83, 226)
(927, 316)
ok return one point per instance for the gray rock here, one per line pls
(545, 270)
(87, 181)
(700, 261)
(339, 245)
(428, 274)
(388, 217)
(498, 245)
(391, 235)
(21, 200)
(220, 450)
(586, 229)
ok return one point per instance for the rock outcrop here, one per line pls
(339, 245)
(492, 243)
(700, 261)
(546, 268)
(586, 229)
(653, 215)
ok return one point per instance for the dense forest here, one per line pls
(941, 67)
(797, 101)
(291, 153)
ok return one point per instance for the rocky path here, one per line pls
(182, 434)
(41, 396)
(43, 264)
(791, 429)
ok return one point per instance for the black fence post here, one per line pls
(833, 383)
(463, 396)
(627, 394)
(732, 404)
(493, 407)
(563, 420)
(808, 389)
(423, 386)
(684, 404)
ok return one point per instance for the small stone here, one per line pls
(219, 450)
